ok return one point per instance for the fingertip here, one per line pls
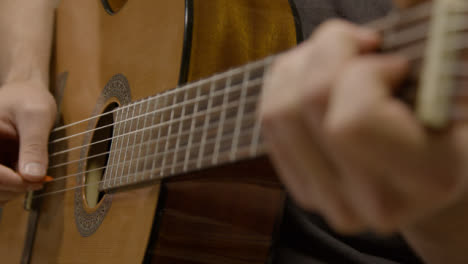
(33, 172)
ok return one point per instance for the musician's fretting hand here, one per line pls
(345, 147)
(27, 113)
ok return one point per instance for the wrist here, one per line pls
(26, 65)
(25, 74)
(441, 238)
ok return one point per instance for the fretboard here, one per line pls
(200, 125)
(214, 121)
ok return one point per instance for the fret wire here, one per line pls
(148, 148)
(192, 128)
(163, 163)
(251, 117)
(142, 133)
(133, 144)
(257, 146)
(118, 147)
(85, 185)
(407, 17)
(156, 147)
(252, 83)
(187, 86)
(205, 125)
(246, 134)
(143, 136)
(223, 156)
(251, 99)
(118, 115)
(222, 118)
(127, 141)
(240, 114)
(181, 124)
(247, 118)
(257, 128)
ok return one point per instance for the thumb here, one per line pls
(34, 129)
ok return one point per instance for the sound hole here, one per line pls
(98, 156)
(113, 6)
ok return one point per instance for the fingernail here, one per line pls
(34, 170)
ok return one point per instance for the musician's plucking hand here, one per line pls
(27, 109)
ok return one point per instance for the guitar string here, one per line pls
(457, 93)
(417, 32)
(246, 133)
(216, 77)
(75, 187)
(93, 156)
(254, 84)
(246, 148)
(168, 137)
(380, 25)
(157, 111)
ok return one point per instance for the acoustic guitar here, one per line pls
(157, 156)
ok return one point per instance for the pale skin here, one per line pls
(27, 109)
(342, 144)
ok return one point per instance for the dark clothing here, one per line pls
(306, 238)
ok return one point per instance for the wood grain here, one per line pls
(93, 46)
(226, 214)
(13, 226)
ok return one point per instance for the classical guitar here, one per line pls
(145, 172)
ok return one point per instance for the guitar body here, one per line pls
(225, 214)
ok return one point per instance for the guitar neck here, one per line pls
(214, 121)
(200, 125)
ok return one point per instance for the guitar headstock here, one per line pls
(443, 58)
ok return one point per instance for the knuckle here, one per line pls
(284, 65)
(45, 107)
(334, 26)
(34, 148)
(384, 214)
(36, 109)
(342, 131)
(314, 97)
(274, 116)
(335, 30)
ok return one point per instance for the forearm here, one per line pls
(25, 40)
